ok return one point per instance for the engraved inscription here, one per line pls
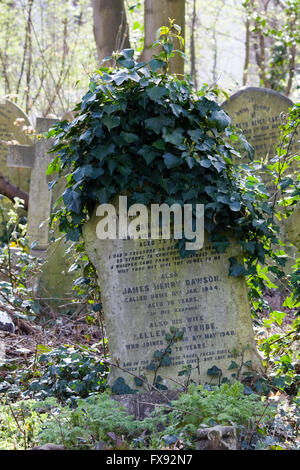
(147, 288)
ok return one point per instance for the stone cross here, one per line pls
(40, 198)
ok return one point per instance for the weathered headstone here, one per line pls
(12, 122)
(54, 278)
(147, 289)
(259, 112)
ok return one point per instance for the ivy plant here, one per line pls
(150, 136)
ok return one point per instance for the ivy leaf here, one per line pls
(101, 151)
(128, 137)
(73, 235)
(171, 161)
(157, 92)
(174, 137)
(120, 77)
(170, 439)
(138, 382)
(120, 387)
(220, 242)
(196, 134)
(128, 53)
(166, 361)
(214, 371)
(235, 268)
(126, 62)
(235, 206)
(233, 365)
(248, 147)
(151, 366)
(72, 200)
(219, 119)
(205, 162)
(155, 124)
(156, 64)
(177, 109)
(148, 154)
(87, 136)
(111, 122)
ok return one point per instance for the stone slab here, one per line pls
(10, 113)
(20, 156)
(147, 288)
(259, 112)
(141, 405)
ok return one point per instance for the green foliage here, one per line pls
(99, 422)
(280, 345)
(284, 165)
(21, 422)
(47, 48)
(120, 387)
(279, 29)
(225, 405)
(167, 37)
(66, 373)
(17, 266)
(162, 358)
(152, 137)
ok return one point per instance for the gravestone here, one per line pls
(147, 288)
(54, 280)
(12, 122)
(259, 112)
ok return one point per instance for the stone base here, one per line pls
(209, 438)
(141, 405)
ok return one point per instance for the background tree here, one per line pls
(156, 14)
(273, 37)
(110, 27)
(46, 50)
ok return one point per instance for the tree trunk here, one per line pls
(10, 190)
(110, 27)
(193, 51)
(247, 53)
(156, 15)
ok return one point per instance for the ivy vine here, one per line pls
(143, 133)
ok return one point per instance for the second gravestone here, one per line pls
(148, 290)
(259, 113)
(12, 122)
